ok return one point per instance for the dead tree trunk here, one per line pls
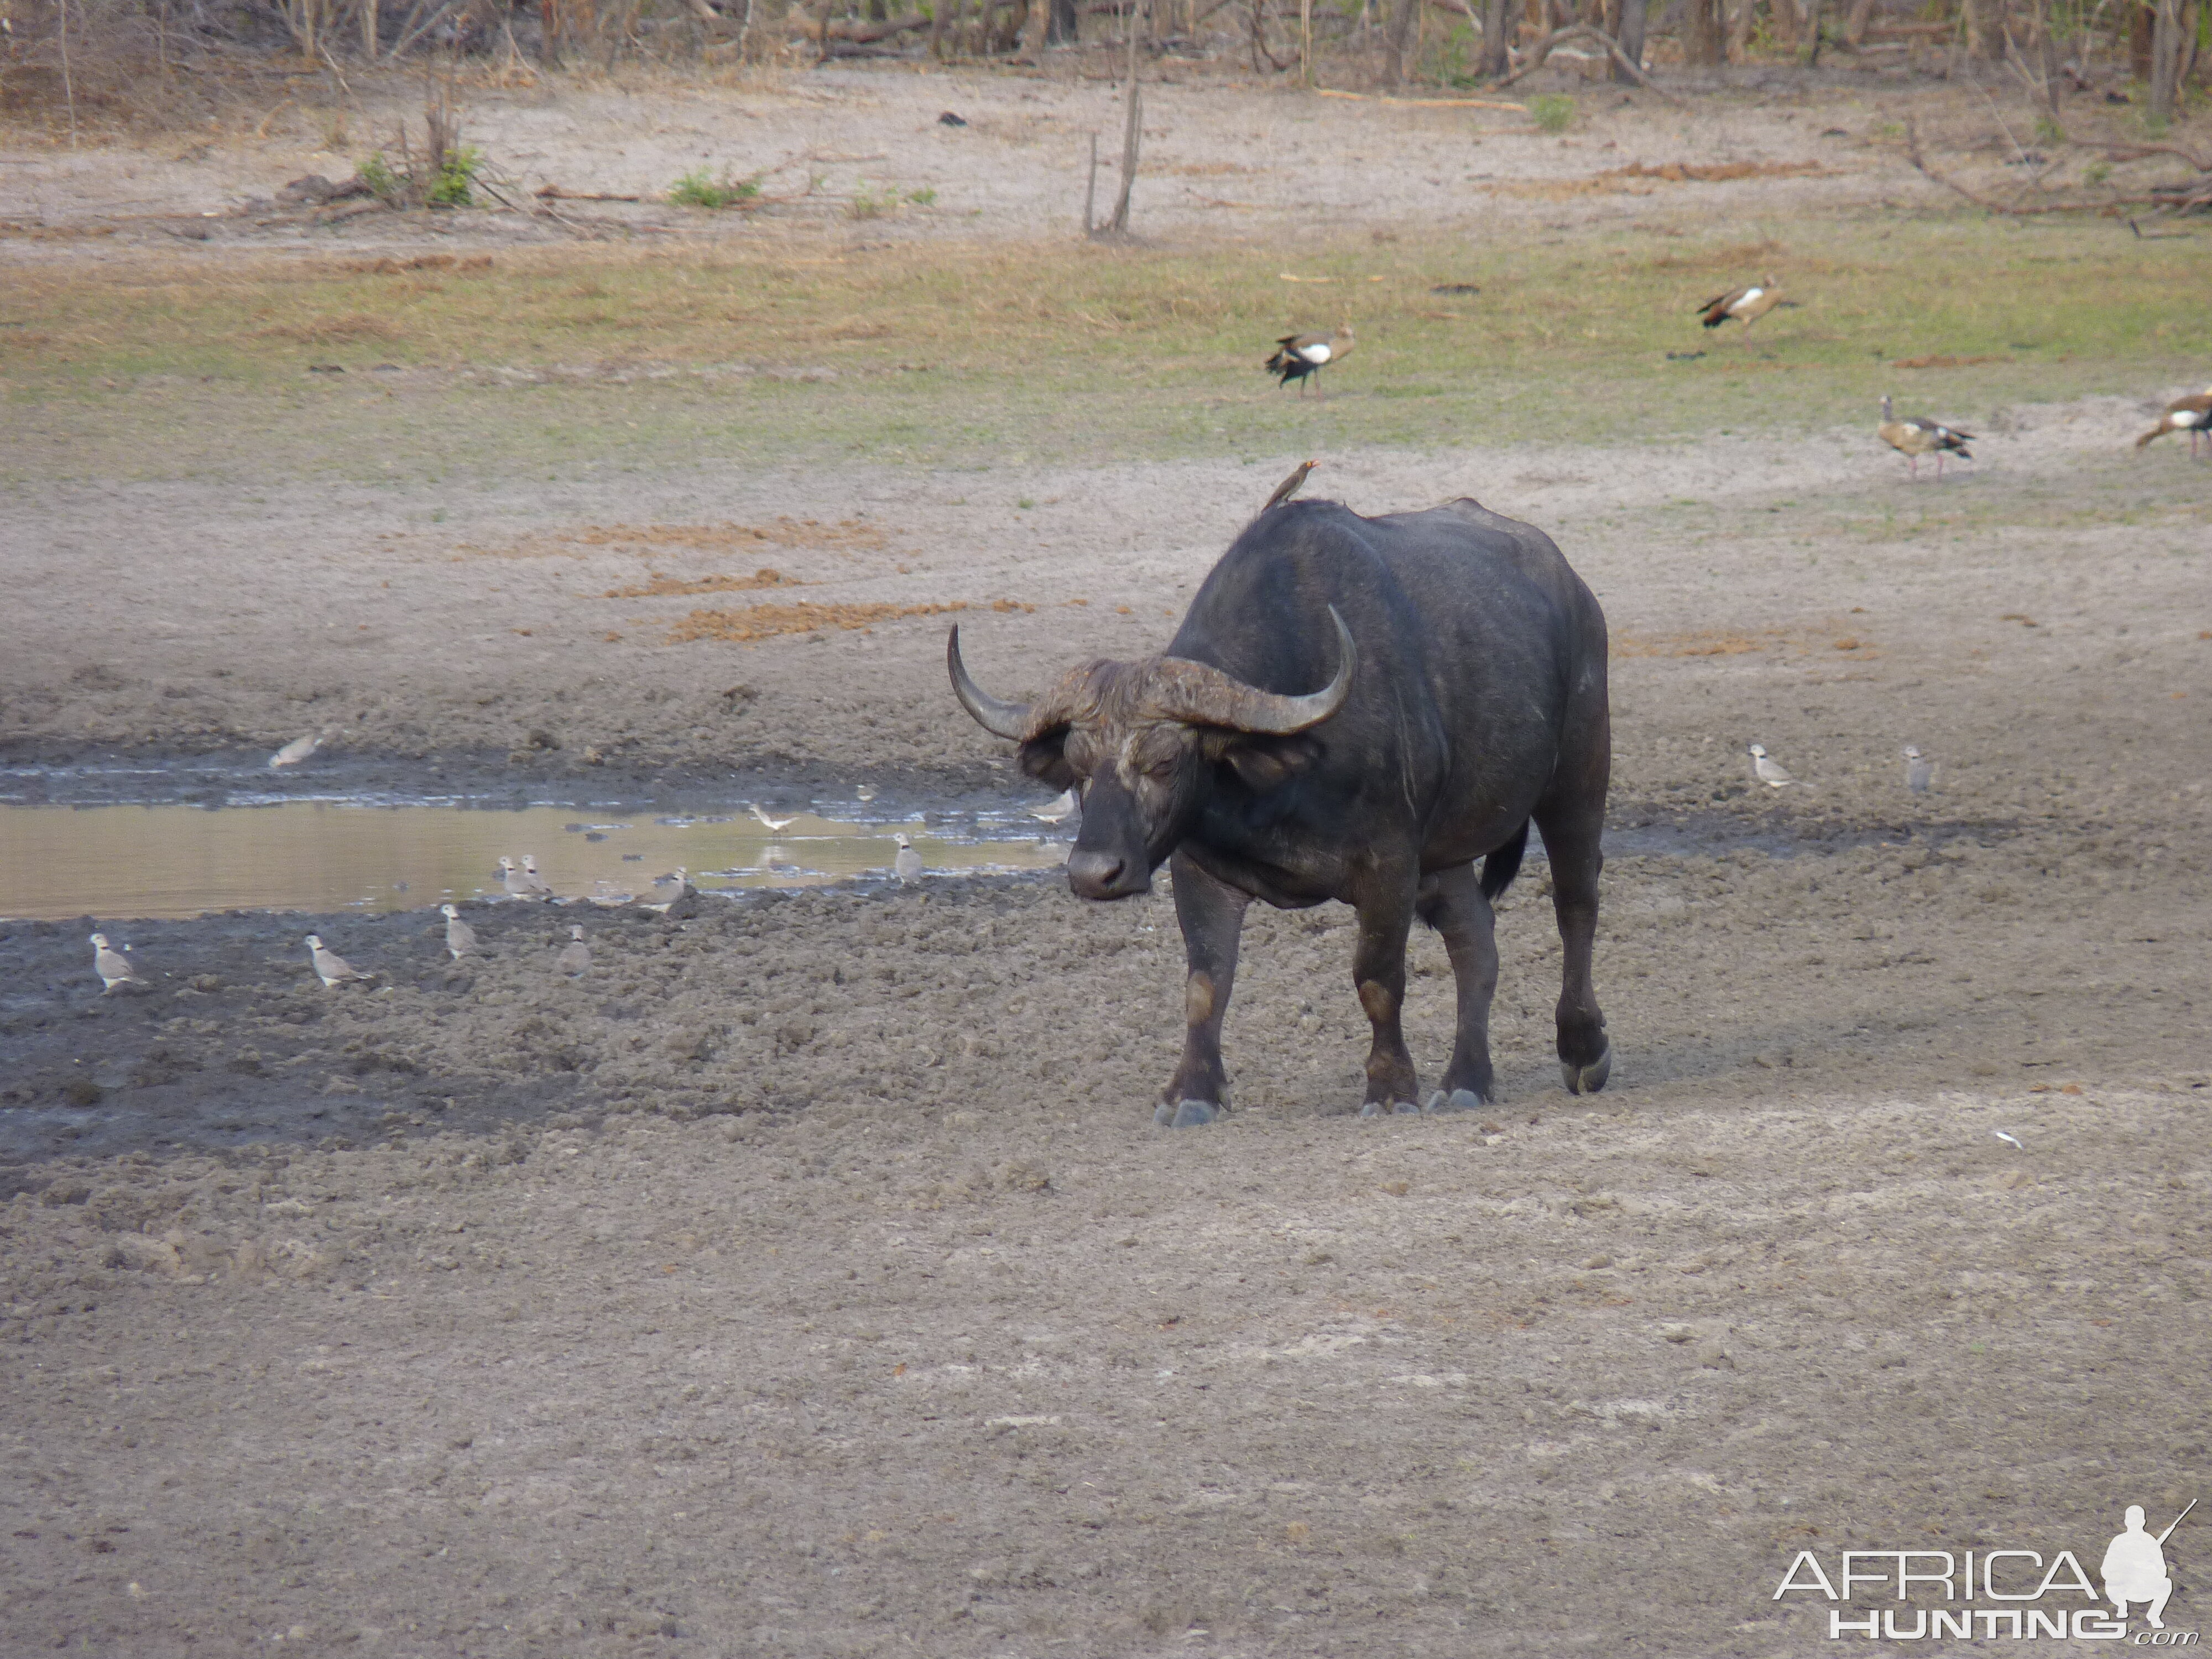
(1394, 36)
(1986, 30)
(1705, 33)
(2165, 60)
(1633, 17)
(1132, 135)
(1496, 37)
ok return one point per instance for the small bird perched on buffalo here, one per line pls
(1290, 486)
(1297, 355)
(1916, 437)
(1746, 305)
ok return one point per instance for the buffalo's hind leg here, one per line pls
(1212, 915)
(1452, 902)
(1571, 843)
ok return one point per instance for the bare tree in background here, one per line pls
(2165, 60)
(1633, 17)
(1133, 134)
(1705, 34)
(1396, 33)
(1496, 37)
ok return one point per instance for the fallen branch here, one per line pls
(1543, 49)
(554, 193)
(1426, 103)
(2136, 152)
(854, 30)
(2113, 205)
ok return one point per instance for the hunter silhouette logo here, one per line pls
(2132, 1572)
(2134, 1567)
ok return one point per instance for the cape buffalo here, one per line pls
(1461, 668)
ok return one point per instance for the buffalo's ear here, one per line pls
(1261, 762)
(1045, 759)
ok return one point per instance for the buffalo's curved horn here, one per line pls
(1001, 719)
(1204, 696)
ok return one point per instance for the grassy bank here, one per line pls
(162, 367)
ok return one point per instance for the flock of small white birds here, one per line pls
(1919, 770)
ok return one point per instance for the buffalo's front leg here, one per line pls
(1451, 902)
(1378, 969)
(1212, 915)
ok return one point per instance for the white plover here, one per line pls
(575, 957)
(330, 967)
(908, 865)
(297, 750)
(1059, 811)
(113, 968)
(1768, 772)
(460, 937)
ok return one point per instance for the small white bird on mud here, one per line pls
(113, 968)
(460, 937)
(330, 967)
(667, 889)
(1919, 770)
(297, 750)
(866, 792)
(908, 865)
(575, 957)
(1059, 811)
(776, 826)
(511, 879)
(1768, 772)
(539, 887)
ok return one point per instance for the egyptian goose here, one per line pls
(1746, 305)
(1914, 438)
(1290, 486)
(2190, 414)
(1297, 355)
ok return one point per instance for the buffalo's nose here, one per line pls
(1099, 875)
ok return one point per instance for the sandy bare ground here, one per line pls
(1221, 159)
(809, 1279)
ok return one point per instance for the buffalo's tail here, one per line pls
(1503, 863)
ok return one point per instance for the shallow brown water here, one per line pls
(175, 862)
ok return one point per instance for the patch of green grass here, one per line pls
(457, 175)
(701, 189)
(962, 355)
(1552, 112)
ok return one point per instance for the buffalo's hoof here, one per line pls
(1184, 1114)
(1459, 1100)
(1587, 1079)
(1389, 1108)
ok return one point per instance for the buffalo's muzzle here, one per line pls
(1094, 875)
